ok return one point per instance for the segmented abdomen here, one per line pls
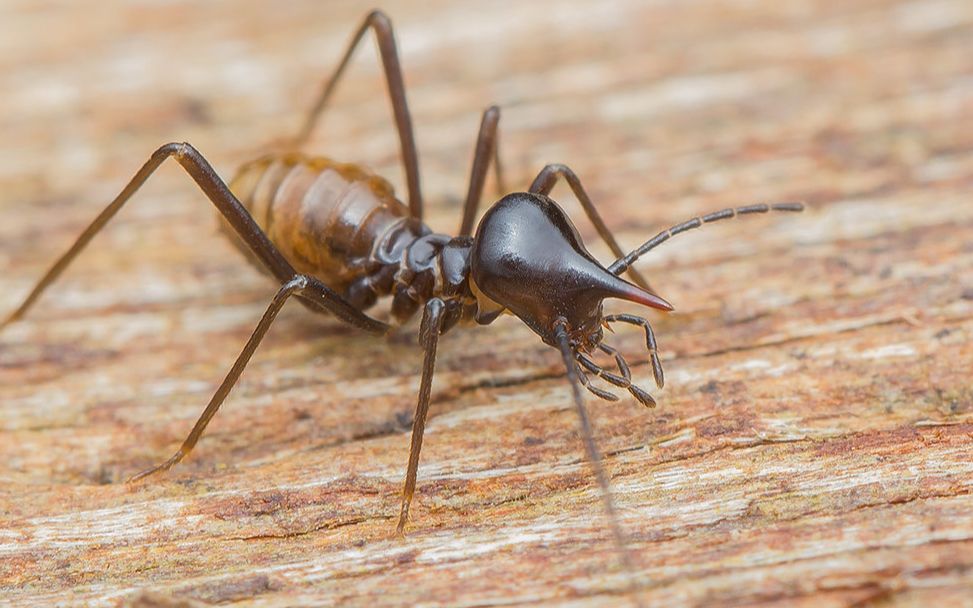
(325, 217)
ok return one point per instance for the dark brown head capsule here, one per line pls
(529, 259)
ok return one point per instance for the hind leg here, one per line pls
(300, 285)
(384, 34)
(311, 291)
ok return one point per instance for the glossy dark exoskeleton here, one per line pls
(336, 237)
(529, 259)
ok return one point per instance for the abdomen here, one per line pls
(324, 217)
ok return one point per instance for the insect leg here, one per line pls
(486, 146)
(429, 328)
(384, 34)
(544, 183)
(299, 285)
(237, 216)
(594, 456)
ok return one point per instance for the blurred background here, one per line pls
(809, 466)
(662, 108)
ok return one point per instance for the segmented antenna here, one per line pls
(621, 265)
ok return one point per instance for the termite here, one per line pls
(335, 236)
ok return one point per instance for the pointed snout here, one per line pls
(626, 291)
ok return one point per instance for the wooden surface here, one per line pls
(812, 446)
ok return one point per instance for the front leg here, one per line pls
(594, 458)
(429, 330)
(310, 290)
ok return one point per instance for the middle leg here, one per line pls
(430, 328)
(300, 285)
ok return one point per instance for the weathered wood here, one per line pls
(813, 443)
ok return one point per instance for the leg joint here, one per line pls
(560, 168)
(179, 150)
(379, 20)
(296, 284)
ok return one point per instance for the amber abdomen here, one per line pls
(322, 215)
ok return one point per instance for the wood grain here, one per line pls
(812, 445)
